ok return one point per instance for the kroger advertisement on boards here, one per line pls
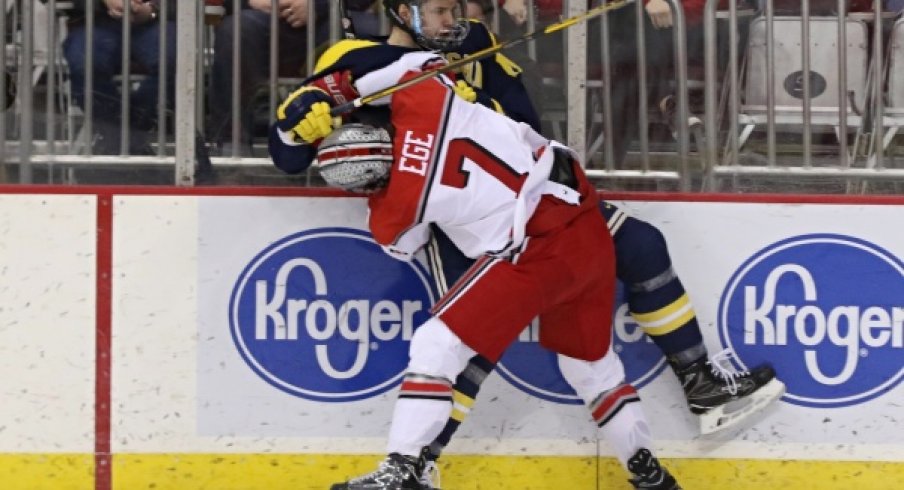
(304, 324)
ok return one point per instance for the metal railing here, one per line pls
(839, 162)
(681, 172)
(178, 140)
(752, 137)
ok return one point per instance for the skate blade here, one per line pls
(729, 415)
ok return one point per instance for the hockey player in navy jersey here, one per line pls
(655, 295)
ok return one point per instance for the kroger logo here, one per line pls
(326, 315)
(827, 311)
(534, 370)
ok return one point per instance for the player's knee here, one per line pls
(589, 379)
(436, 351)
(641, 252)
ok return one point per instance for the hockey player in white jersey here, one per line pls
(721, 396)
(521, 206)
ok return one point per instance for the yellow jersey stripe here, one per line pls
(671, 326)
(338, 50)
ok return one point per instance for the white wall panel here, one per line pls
(47, 322)
(155, 249)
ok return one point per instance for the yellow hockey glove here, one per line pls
(305, 115)
(317, 123)
(465, 91)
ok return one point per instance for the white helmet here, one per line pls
(356, 157)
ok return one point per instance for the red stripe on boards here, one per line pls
(103, 471)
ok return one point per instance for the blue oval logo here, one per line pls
(827, 311)
(534, 370)
(326, 315)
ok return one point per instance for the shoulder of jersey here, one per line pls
(359, 55)
(479, 37)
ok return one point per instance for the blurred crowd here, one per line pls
(248, 84)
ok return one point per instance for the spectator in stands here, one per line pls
(659, 49)
(364, 16)
(622, 22)
(10, 90)
(477, 9)
(255, 61)
(512, 15)
(146, 30)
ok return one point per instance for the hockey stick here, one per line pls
(477, 55)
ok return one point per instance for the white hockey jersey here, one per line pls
(475, 173)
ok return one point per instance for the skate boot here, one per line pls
(722, 396)
(648, 473)
(396, 472)
(430, 476)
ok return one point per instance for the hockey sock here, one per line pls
(611, 401)
(655, 295)
(666, 315)
(420, 412)
(621, 421)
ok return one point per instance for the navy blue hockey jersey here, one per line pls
(496, 77)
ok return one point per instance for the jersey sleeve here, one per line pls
(393, 221)
(408, 243)
(398, 215)
(352, 56)
(291, 158)
(505, 86)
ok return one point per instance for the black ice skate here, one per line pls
(430, 476)
(648, 473)
(396, 472)
(722, 396)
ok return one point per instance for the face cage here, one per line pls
(449, 42)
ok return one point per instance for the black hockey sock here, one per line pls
(466, 387)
